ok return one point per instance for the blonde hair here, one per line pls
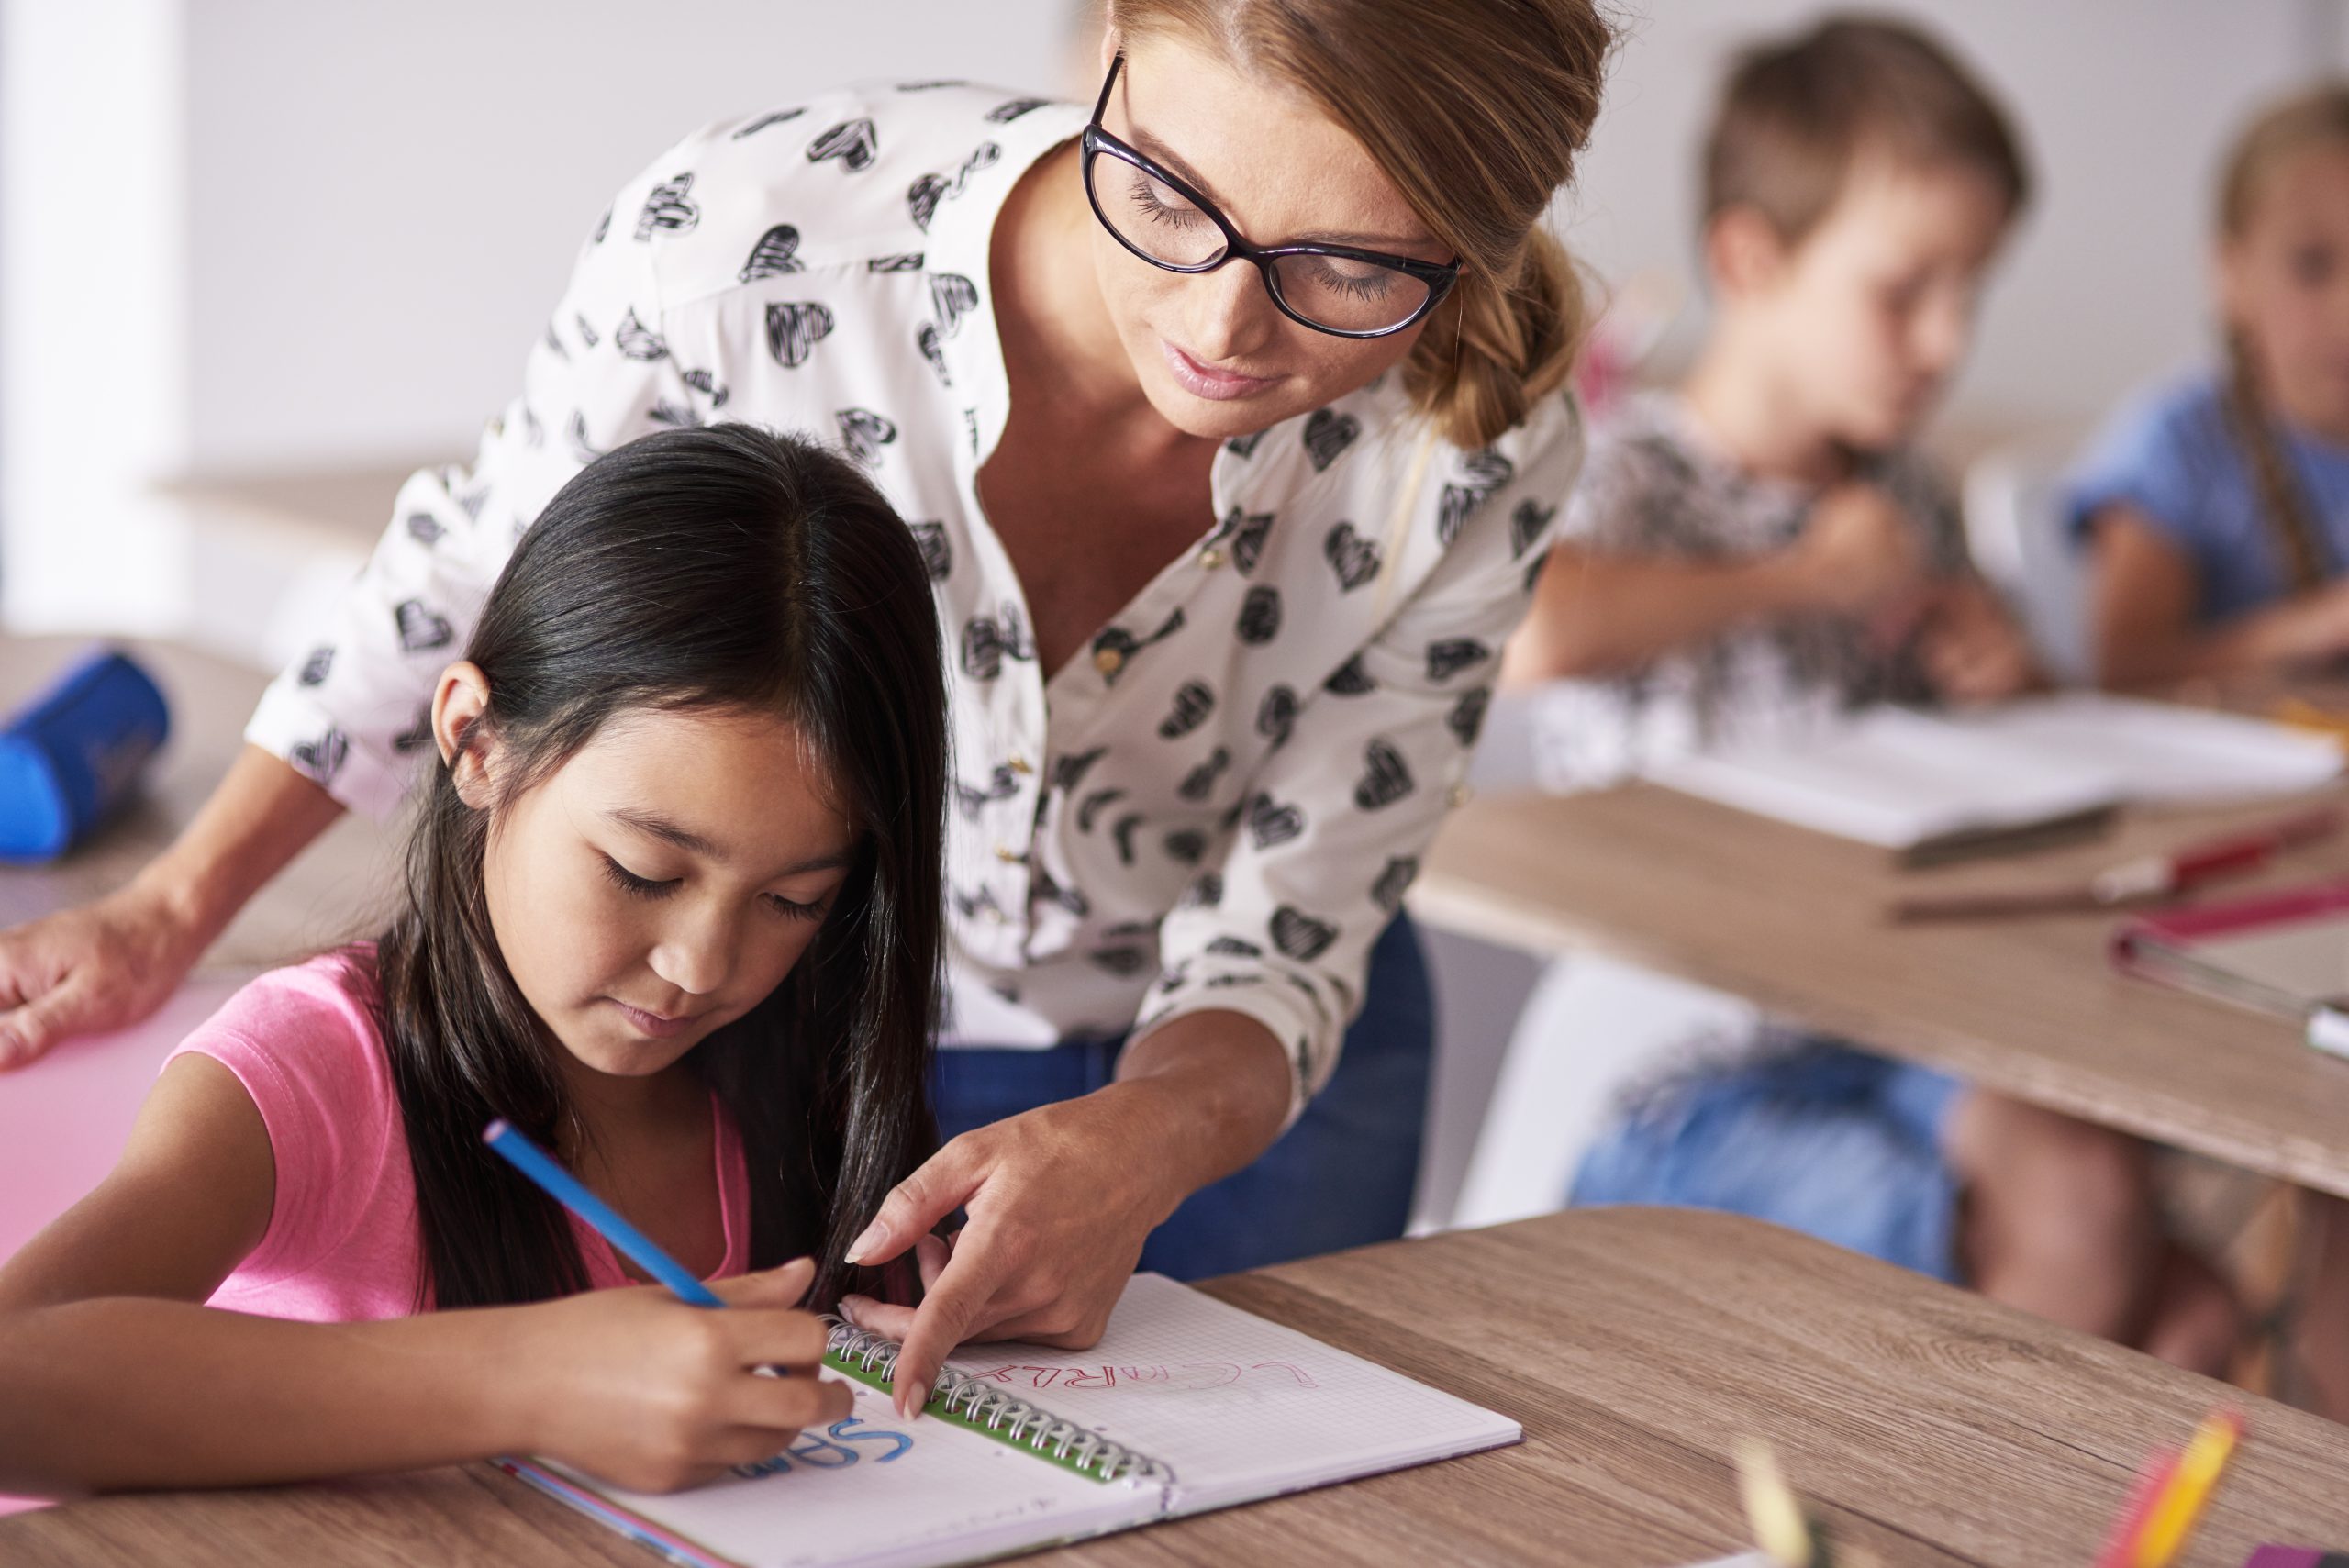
(2317, 118)
(1476, 110)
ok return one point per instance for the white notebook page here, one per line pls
(912, 1496)
(1236, 1407)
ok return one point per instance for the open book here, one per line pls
(1185, 1405)
(1932, 786)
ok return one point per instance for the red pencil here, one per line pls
(2120, 1546)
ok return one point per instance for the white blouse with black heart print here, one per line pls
(1219, 803)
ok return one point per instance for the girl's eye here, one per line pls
(635, 886)
(813, 910)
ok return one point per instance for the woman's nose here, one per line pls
(1228, 312)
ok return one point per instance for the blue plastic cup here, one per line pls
(75, 754)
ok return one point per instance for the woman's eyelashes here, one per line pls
(645, 887)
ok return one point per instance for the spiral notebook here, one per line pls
(1185, 1405)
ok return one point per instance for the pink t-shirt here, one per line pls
(343, 1243)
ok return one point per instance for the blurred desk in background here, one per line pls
(1795, 922)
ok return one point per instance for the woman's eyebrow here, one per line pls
(1161, 153)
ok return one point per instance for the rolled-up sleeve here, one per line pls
(1282, 930)
(352, 712)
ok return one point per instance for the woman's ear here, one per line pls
(458, 704)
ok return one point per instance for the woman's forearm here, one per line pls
(1221, 1083)
(262, 816)
(123, 1392)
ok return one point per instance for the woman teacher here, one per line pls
(1232, 420)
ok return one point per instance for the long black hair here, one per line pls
(717, 568)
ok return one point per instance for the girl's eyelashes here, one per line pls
(811, 910)
(635, 886)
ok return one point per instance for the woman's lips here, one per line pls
(1205, 380)
(656, 1025)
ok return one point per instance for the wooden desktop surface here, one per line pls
(1794, 921)
(1635, 1345)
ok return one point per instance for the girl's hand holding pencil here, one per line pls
(641, 1390)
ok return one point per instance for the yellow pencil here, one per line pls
(1779, 1529)
(2180, 1507)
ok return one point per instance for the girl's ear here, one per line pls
(2230, 280)
(459, 703)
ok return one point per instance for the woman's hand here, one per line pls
(1062, 1197)
(642, 1391)
(84, 970)
(113, 962)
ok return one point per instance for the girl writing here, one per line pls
(672, 907)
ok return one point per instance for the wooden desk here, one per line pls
(332, 891)
(1635, 1345)
(1793, 920)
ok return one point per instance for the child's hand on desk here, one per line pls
(1859, 553)
(641, 1390)
(1971, 649)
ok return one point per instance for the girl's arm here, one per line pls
(112, 1375)
(2143, 599)
(1601, 612)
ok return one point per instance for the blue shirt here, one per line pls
(2171, 455)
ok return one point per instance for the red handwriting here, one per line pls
(1185, 1376)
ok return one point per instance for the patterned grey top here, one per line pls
(1655, 485)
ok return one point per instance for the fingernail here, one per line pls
(853, 1308)
(874, 1234)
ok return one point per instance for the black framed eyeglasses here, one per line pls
(1337, 289)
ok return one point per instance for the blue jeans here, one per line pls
(1343, 1176)
(1811, 1134)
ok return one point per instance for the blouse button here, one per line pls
(1211, 557)
(1008, 855)
(1109, 660)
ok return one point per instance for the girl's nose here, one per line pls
(698, 954)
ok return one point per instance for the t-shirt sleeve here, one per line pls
(307, 1051)
(2154, 457)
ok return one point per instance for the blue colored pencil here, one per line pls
(565, 1189)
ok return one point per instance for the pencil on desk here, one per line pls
(2179, 1508)
(2129, 1526)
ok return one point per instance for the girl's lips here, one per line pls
(653, 1024)
(1203, 380)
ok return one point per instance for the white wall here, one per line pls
(2124, 105)
(281, 233)
(385, 196)
(93, 364)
